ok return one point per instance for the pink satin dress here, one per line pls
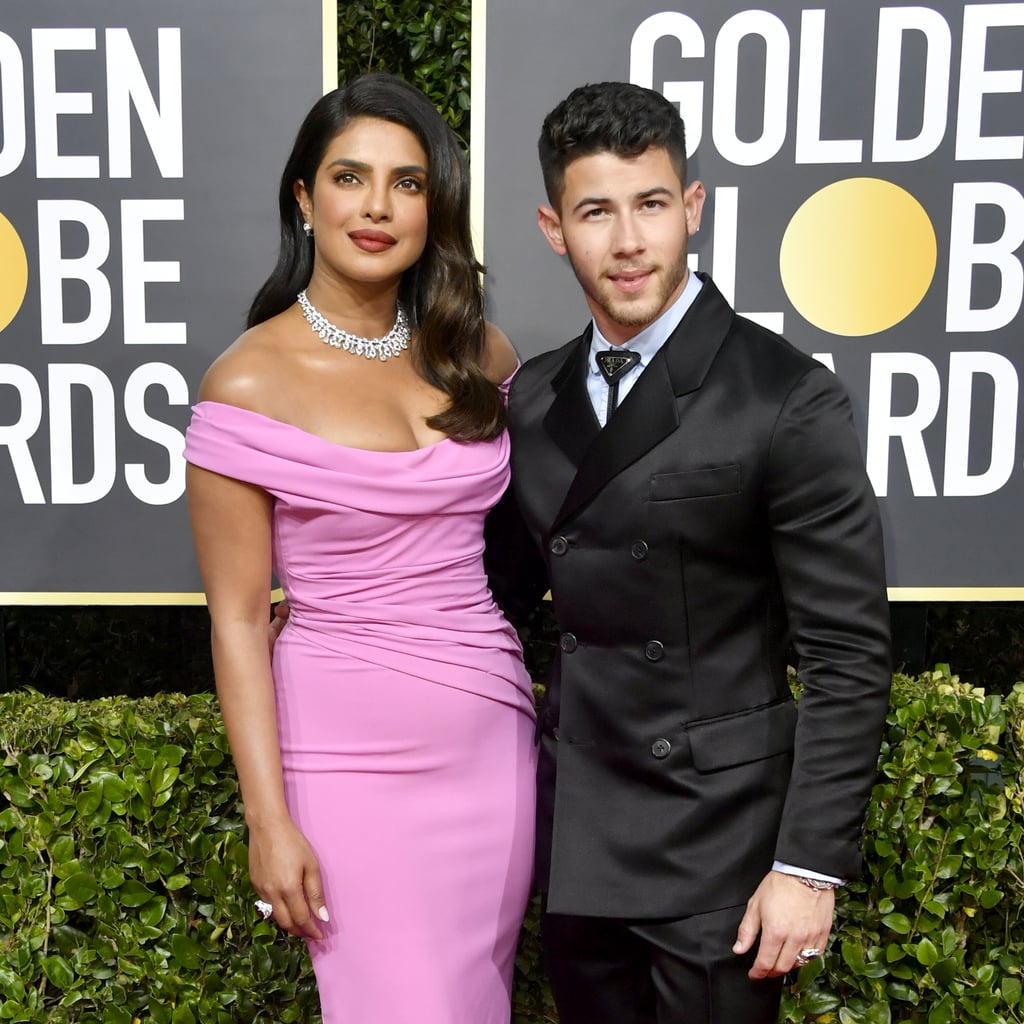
(404, 713)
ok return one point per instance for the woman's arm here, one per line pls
(231, 525)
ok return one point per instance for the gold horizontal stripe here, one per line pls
(956, 593)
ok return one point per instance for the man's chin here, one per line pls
(633, 315)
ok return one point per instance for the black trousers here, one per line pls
(608, 971)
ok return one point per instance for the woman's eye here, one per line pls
(411, 185)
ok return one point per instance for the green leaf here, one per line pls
(81, 887)
(152, 913)
(114, 789)
(58, 971)
(63, 848)
(990, 898)
(877, 1013)
(944, 972)
(88, 801)
(944, 1012)
(182, 1015)
(926, 953)
(111, 877)
(898, 923)
(134, 894)
(1011, 991)
(853, 956)
(815, 1003)
(187, 952)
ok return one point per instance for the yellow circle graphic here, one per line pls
(858, 256)
(13, 272)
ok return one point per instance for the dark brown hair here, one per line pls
(608, 117)
(442, 292)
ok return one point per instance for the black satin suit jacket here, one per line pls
(722, 515)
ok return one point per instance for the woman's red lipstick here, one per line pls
(372, 241)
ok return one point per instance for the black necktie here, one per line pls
(614, 365)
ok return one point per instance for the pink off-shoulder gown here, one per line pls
(404, 713)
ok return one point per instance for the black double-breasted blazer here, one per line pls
(722, 514)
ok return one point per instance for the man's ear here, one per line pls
(693, 203)
(551, 224)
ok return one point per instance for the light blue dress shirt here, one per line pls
(647, 343)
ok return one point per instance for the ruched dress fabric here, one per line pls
(404, 713)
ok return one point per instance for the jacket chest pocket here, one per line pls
(701, 508)
(715, 481)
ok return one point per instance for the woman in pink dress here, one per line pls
(352, 441)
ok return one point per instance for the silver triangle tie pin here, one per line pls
(614, 365)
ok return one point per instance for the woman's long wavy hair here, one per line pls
(442, 292)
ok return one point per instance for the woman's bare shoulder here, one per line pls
(499, 360)
(248, 372)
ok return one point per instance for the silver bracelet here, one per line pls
(817, 884)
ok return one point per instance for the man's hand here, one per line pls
(277, 623)
(789, 917)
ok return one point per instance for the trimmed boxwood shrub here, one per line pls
(123, 892)
(124, 900)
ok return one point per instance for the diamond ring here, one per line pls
(264, 909)
(805, 956)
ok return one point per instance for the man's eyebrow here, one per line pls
(649, 193)
(658, 190)
(591, 201)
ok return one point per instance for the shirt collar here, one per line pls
(654, 335)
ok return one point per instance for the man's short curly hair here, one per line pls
(608, 117)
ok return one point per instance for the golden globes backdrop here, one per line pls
(863, 165)
(140, 147)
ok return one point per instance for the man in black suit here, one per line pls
(694, 495)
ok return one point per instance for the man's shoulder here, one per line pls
(760, 340)
(546, 366)
(774, 358)
(550, 360)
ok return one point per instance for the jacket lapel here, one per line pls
(649, 412)
(570, 421)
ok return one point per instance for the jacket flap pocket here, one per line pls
(696, 483)
(738, 739)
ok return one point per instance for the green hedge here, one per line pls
(934, 934)
(425, 42)
(123, 895)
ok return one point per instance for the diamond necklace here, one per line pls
(391, 344)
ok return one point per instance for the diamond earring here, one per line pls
(308, 228)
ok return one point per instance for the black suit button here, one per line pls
(568, 643)
(639, 550)
(654, 650)
(558, 546)
(661, 748)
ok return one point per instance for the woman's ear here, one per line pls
(302, 197)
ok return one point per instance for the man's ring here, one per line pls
(264, 909)
(805, 956)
